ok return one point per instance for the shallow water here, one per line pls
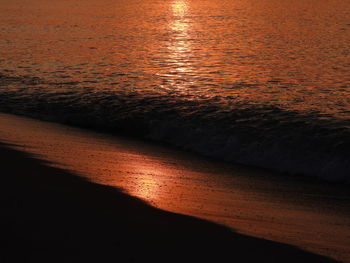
(253, 81)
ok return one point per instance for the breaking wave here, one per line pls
(264, 136)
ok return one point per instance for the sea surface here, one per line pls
(259, 82)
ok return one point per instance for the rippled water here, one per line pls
(247, 68)
(294, 54)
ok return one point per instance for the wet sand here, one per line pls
(51, 211)
(51, 215)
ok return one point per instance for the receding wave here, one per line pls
(264, 136)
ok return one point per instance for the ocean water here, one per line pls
(259, 82)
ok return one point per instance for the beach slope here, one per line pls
(52, 215)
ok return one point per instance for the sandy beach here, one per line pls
(175, 131)
(51, 215)
(54, 214)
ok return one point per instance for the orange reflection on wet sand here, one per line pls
(147, 178)
(253, 202)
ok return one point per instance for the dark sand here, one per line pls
(52, 215)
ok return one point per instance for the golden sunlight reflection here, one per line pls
(179, 45)
(179, 7)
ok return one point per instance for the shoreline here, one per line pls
(53, 215)
(266, 137)
(255, 203)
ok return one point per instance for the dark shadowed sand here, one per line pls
(52, 215)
